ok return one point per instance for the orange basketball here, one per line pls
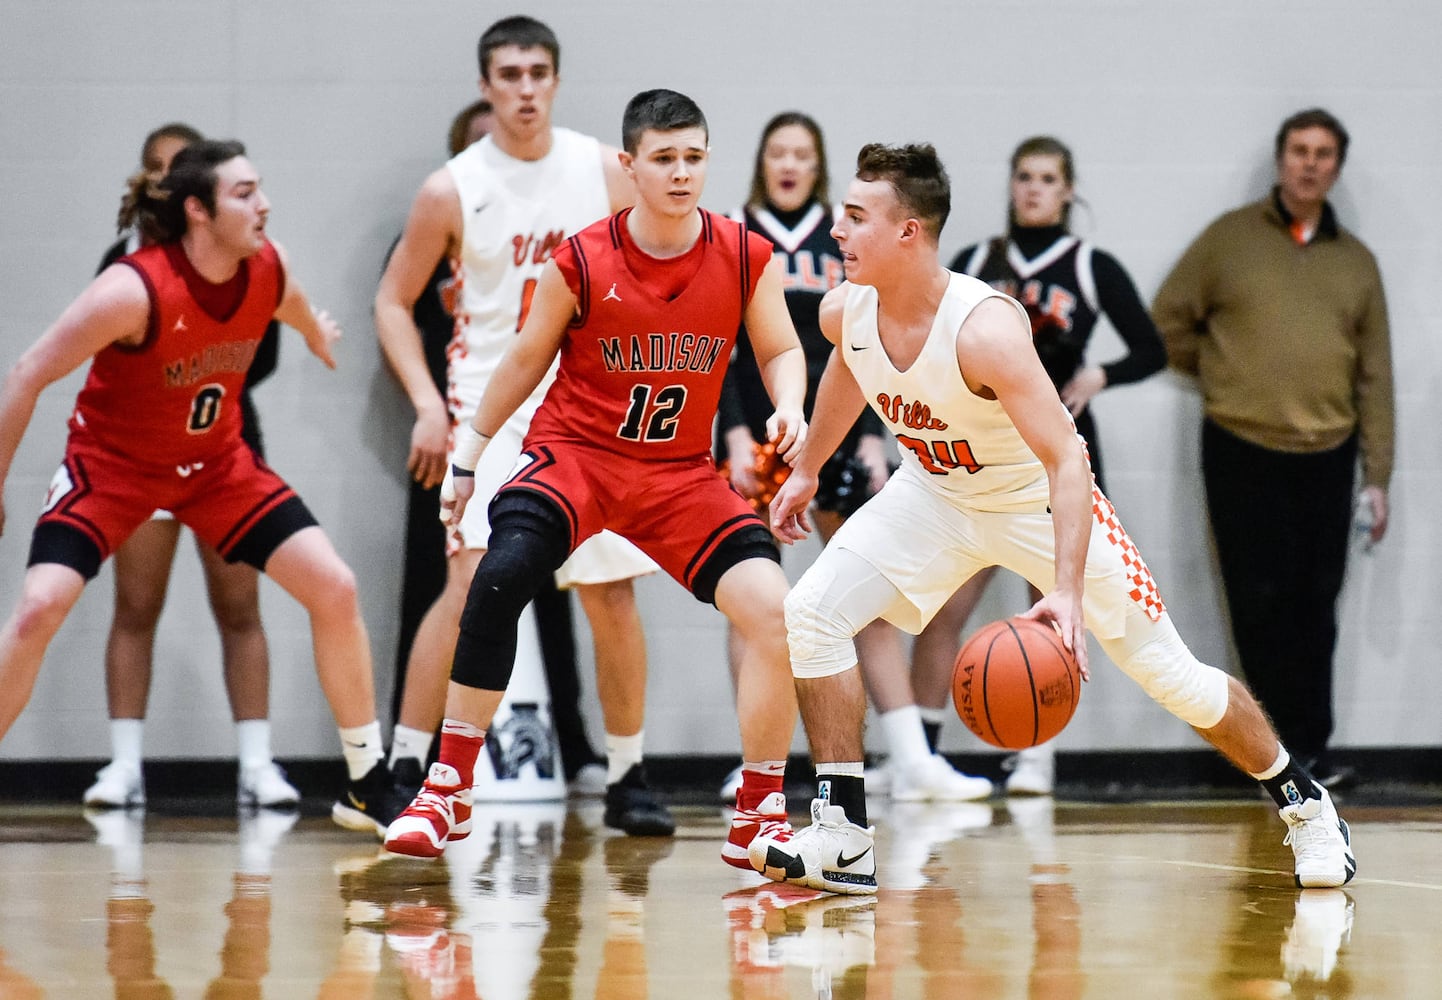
(1015, 685)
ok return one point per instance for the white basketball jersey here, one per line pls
(515, 212)
(951, 439)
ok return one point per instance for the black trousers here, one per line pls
(1282, 522)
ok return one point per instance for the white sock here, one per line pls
(125, 740)
(936, 716)
(772, 768)
(622, 752)
(905, 738)
(408, 742)
(252, 736)
(1278, 765)
(362, 748)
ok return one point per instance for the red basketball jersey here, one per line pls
(641, 372)
(175, 398)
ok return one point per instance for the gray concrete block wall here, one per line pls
(1170, 110)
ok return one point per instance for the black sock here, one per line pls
(933, 733)
(1291, 785)
(846, 791)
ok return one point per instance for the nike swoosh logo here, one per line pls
(360, 804)
(842, 861)
(855, 348)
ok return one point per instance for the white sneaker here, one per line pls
(118, 785)
(1322, 925)
(264, 786)
(731, 786)
(832, 853)
(1033, 771)
(1320, 841)
(589, 782)
(932, 779)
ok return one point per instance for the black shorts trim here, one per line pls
(65, 545)
(257, 545)
(751, 542)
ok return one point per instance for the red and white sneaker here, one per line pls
(440, 813)
(767, 819)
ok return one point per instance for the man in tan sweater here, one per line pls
(1280, 316)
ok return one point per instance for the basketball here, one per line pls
(1015, 685)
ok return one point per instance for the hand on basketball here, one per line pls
(786, 429)
(789, 521)
(1064, 612)
(456, 492)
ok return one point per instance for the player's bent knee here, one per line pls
(40, 615)
(1174, 678)
(524, 553)
(332, 592)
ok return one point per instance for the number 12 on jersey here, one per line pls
(651, 418)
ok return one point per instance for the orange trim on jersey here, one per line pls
(1144, 591)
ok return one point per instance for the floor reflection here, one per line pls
(1022, 899)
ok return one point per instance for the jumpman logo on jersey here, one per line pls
(611, 295)
(180, 325)
(184, 471)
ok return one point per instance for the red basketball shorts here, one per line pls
(677, 512)
(105, 497)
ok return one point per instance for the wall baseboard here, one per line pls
(1391, 775)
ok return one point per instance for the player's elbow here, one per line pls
(26, 379)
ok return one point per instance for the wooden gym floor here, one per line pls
(1024, 899)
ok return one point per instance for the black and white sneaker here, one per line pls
(632, 806)
(1320, 841)
(371, 803)
(832, 853)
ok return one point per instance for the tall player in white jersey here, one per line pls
(992, 473)
(496, 211)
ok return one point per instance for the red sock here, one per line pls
(460, 746)
(755, 786)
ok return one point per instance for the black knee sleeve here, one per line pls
(527, 546)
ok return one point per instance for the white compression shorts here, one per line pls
(907, 550)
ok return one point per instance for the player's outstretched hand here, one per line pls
(456, 492)
(327, 334)
(789, 521)
(1064, 613)
(786, 429)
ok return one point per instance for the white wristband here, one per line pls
(469, 445)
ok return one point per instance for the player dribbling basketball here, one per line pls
(992, 473)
